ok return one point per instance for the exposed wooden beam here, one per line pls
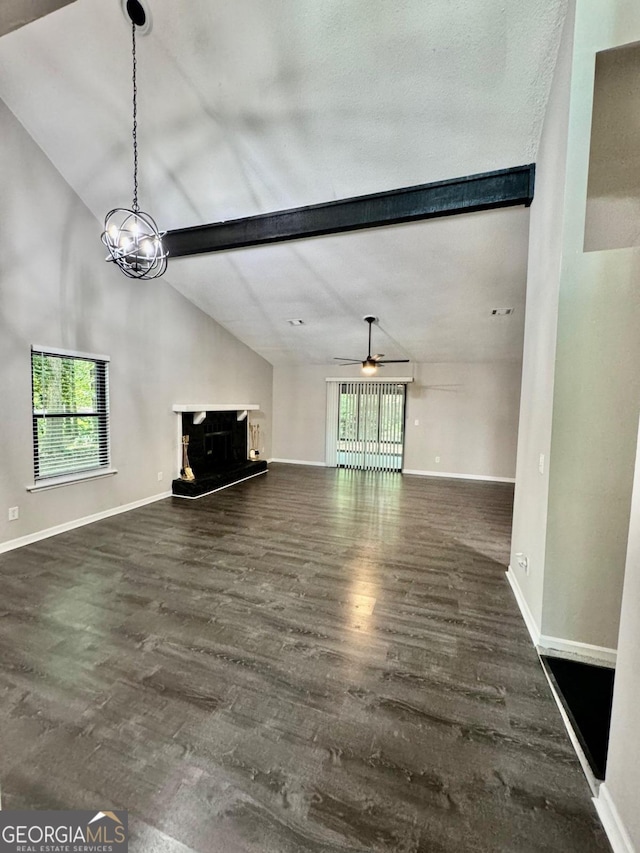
(504, 188)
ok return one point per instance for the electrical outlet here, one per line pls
(14, 513)
(159, 475)
(523, 562)
(437, 458)
(416, 422)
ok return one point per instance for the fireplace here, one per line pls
(217, 449)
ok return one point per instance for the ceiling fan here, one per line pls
(372, 362)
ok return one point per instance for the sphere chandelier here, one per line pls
(131, 235)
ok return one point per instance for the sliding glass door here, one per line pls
(371, 425)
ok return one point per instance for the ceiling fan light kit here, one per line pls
(371, 363)
(131, 236)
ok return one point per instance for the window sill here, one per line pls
(70, 479)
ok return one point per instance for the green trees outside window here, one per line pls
(70, 413)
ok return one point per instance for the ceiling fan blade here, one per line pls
(346, 358)
(371, 362)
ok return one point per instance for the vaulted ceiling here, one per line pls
(261, 105)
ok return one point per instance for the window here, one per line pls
(371, 425)
(70, 413)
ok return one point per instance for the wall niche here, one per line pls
(613, 191)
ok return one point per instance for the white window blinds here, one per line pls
(70, 412)
(365, 424)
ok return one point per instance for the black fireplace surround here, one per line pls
(217, 454)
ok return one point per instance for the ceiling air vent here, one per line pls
(502, 312)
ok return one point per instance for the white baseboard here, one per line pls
(483, 477)
(612, 822)
(527, 615)
(545, 644)
(299, 462)
(585, 652)
(78, 522)
(219, 489)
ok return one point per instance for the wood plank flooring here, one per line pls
(314, 661)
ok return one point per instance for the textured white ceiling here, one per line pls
(261, 105)
(432, 284)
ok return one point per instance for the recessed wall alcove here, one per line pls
(613, 194)
(217, 447)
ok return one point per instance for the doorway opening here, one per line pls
(371, 418)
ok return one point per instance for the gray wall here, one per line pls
(597, 385)
(299, 411)
(581, 387)
(623, 763)
(56, 290)
(467, 414)
(538, 364)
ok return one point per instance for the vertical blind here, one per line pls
(70, 412)
(371, 425)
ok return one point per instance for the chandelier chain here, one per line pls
(136, 207)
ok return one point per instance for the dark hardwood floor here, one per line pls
(312, 661)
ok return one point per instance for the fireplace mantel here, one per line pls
(215, 407)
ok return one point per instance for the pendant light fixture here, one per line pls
(130, 235)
